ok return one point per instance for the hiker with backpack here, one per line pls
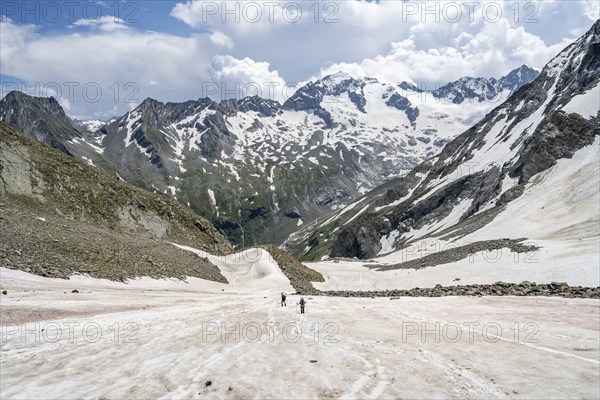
(283, 296)
(302, 304)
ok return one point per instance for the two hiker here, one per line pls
(302, 302)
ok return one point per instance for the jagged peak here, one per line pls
(337, 81)
(49, 103)
(21, 95)
(404, 85)
(526, 68)
(337, 77)
(258, 100)
(522, 72)
(16, 93)
(149, 101)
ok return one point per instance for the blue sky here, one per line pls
(58, 16)
(101, 57)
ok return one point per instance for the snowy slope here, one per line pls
(586, 104)
(249, 270)
(92, 125)
(559, 211)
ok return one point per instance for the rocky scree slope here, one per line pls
(60, 216)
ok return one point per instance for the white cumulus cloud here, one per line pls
(246, 77)
(259, 45)
(113, 70)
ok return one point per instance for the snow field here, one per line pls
(147, 341)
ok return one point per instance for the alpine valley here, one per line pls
(359, 240)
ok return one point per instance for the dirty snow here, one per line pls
(252, 269)
(167, 339)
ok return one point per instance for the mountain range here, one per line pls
(258, 169)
